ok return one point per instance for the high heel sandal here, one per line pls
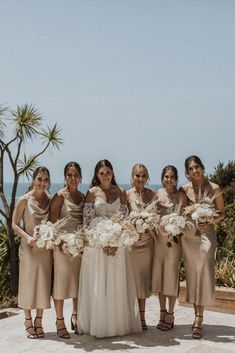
(62, 332)
(74, 327)
(30, 329)
(41, 333)
(143, 322)
(197, 327)
(169, 322)
(162, 318)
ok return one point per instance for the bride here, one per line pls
(107, 299)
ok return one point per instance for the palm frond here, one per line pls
(3, 111)
(27, 165)
(52, 136)
(27, 120)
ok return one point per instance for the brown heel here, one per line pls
(30, 330)
(38, 329)
(143, 322)
(62, 332)
(162, 318)
(169, 322)
(197, 328)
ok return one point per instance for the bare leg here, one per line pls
(141, 302)
(38, 323)
(169, 318)
(162, 302)
(30, 331)
(60, 325)
(74, 325)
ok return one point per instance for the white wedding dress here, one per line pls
(107, 301)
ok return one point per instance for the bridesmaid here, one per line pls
(35, 263)
(166, 260)
(142, 251)
(199, 251)
(68, 202)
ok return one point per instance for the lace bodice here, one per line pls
(101, 208)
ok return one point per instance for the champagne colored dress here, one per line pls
(35, 263)
(107, 301)
(166, 262)
(199, 262)
(141, 259)
(67, 268)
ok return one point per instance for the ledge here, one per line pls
(224, 299)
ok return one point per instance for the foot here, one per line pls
(30, 331)
(62, 331)
(38, 327)
(197, 327)
(143, 322)
(169, 322)
(162, 318)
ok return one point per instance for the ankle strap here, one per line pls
(38, 317)
(59, 319)
(163, 310)
(28, 318)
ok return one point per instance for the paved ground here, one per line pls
(219, 335)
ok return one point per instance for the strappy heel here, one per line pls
(74, 327)
(162, 318)
(143, 322)
(197, 327)
(62, 332)
(169, 322)
(30, 330)
(41, 333)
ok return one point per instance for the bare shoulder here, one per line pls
(61, 192)
(91, 194)
(122, 195)
(22, 201)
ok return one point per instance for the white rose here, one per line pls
(41, 243)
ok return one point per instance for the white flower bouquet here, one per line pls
(73, 243)
(144, 217)
(203, 210)
(173, 226)
(47, 234)
(113, 232)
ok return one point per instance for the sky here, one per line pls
(148, 81)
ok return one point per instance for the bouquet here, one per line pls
(173, 225)
(113, 232)
(73, 243)
(144, 217)
(52, 235)
(203, 210)
(47, 234)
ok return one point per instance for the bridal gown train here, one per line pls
(107, 300)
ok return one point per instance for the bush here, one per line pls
(5, 291)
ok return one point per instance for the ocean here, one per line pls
(23, 187)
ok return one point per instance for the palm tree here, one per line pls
(27, 126)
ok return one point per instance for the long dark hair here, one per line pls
(173, 169)
(194, 159)
(36, 172)
(72, 164)
(103, 163)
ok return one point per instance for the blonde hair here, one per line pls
(138, 166)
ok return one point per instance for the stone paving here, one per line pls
(218, 335)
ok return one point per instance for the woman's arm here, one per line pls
(17, 217)
(55, 208)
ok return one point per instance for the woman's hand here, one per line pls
(110, 250)
(31, 241)
(203, 227)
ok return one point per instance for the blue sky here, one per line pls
(132, 81)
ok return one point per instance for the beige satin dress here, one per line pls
(67, 268)
(35, 263)
(141, 258)
(166, 262)
(199, 262)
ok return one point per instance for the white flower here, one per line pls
(41, 243)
